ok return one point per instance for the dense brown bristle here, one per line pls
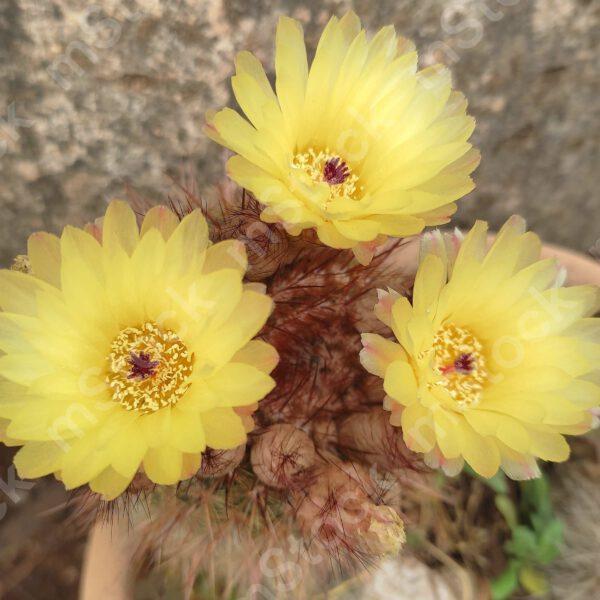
(266, 243)
(282, 457)
(319, 299)
(369, 436)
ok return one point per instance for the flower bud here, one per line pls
(282, 455)
(338, 511)
(21, 263)
(385, 535)
(370, 438)
(218, 463)
(324, 433)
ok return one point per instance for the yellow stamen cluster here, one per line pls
(313, 162)
(465, 385)
(164, 383)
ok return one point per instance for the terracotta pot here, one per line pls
(106, 572)
(106, 569)
(580, 268)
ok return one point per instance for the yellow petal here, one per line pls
(447, 433)
(238, 384)
(399, 225)
(190, 465)
(128, 450)
(18, 292)
(385, 304)
(156, 427)
(161, 218)
(187, 432)
(109, 484)
(473, 247)
(378, 353)
(198, 397)
(23, 369)
(431, 278)
(84, 461)
(350, 26)
(259, 354)
(36, 459)
(224, 429)
(361, 230)
(147, 267)
(505, 428)
(81, 249)
(400, 383)
(548, 445)
(83, 289)
(519, 467)
(17, 332)
(324, 70)
(12, 398)
(479, 451)
(163, 465)
(331, 236)
(43, 250)
(402, 315)
(418, 428)
(248, 64)
(291, 71)
(120, 227)
(228, 254)
(189, 240)
(218, 346)
(520, 405)
(200, 307)
(450, 466)
(421, 334)
(252, 99)
(241, 137)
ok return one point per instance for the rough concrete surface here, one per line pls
(93, 95)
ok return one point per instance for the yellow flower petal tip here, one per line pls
(493, 362)
(129, 347)
(359, 146)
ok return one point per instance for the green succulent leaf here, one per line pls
(508, 510)
(533, 581)
(536, 498)
(550, 542)
(507, 584)
(523, 544)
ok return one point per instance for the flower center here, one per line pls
(335, 172)
(325, 166)
(142, 366)
(148, 368)
(460, 361)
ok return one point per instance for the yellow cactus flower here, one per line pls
(126, 349)
(493, 361)
(359, 146)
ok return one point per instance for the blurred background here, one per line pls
(94, 96)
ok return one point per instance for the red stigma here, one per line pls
(335, 171)
(142, 366)
(463, 364)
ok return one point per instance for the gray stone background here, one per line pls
(96, 95)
